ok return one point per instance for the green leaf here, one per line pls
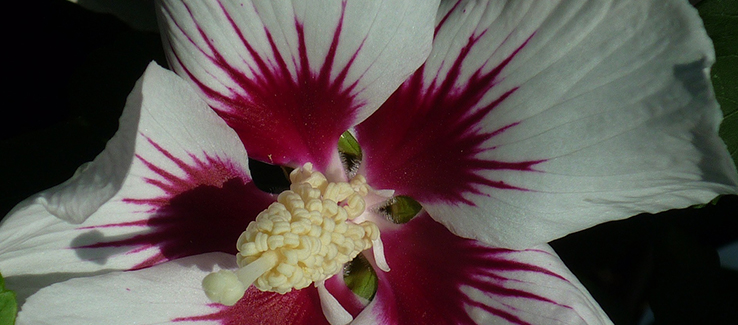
(360, 277)
(401, 209)
(350, 152)
(721, 23)
(8, 305)
(347, 144)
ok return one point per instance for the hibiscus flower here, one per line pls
(511, 123)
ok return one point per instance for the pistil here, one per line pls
(305, 237)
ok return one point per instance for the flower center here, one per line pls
(306, 236)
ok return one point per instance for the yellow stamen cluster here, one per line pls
(304, 237)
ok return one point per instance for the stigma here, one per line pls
(305, 237)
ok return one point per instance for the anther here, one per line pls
(305, 237)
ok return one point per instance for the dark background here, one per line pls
(70, 70)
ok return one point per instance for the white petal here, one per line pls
(182, 148)
(573, 304)
(155, 295)
(378, 253)
(332, 309)
(96, 182)
(556, 116)
(626, 121)
(290, 77)
(440, 278)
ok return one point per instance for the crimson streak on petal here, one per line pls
(283, 118)
(268, 308)
(431, 266)
(203, 211)
(425, 140)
